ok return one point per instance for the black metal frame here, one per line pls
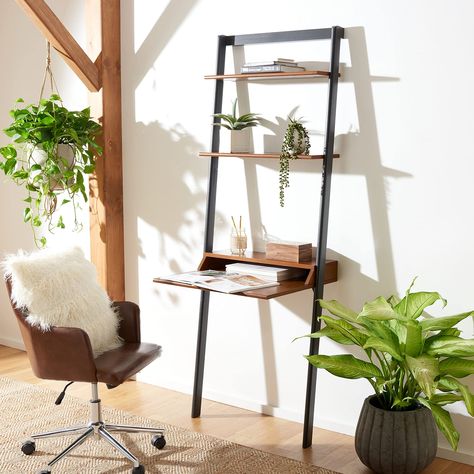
(335, 34)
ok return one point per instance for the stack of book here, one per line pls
(263, 271)
(279, 65)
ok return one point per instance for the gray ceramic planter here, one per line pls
(391, 442)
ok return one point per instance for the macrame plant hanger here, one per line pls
(48, 74)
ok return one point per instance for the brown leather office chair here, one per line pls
(66, 354)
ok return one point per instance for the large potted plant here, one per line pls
(53, 148)
(413, 362)
(239, 127)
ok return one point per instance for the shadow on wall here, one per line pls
(167, 157)
(360, 156)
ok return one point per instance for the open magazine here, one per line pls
(221, 281)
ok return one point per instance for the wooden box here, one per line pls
(289, 251)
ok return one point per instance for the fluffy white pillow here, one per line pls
(59, 288)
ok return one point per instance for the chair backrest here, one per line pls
(57, 354)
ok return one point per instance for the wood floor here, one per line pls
(330, 450)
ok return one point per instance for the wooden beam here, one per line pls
(60, 38)
(107, 238)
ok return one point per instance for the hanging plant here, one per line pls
(53, 148)
(296, 142)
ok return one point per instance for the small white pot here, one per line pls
(66, 152)
(240, 141)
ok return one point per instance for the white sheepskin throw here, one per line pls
(59, 288)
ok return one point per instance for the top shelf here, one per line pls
(271, 75)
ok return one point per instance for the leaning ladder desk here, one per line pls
(316, 273)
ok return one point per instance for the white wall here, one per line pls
(400, 197)
(23, 59)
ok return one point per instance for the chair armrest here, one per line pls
(60, 353)
(129, 314)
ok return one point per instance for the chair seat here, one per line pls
(117, 365)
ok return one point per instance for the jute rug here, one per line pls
(26, 409)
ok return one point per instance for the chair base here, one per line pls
(96, 426)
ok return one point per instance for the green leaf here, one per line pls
(27, 214)
(456, 367)
(378, 309)
(9, 166)
(446, 322)
(450, 332)
(337, 309)
(443, 419)
(449, 346)
(413, 339)
(467, 396)
(35, 167)
(413, 304)
(331, 334)
(60, 224)
(393, 300)
(446, 384)
(346, 329)
(8, 151)
(384, 345)
(424, 369)
(445, 398)
(346, 366)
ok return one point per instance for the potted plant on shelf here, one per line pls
(53, 148)
(413, 363)
(239, 127)
(296, 142)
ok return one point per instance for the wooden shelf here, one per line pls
(218, 261)
(271, 75)
(258, 155)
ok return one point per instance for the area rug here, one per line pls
(26, 409)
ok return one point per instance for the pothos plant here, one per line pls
(43, 135)
(295, 142)
(412, 359)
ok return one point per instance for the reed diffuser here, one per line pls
(238, 238)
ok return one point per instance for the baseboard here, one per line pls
(15, 343)
(457, 456)
(285, 414)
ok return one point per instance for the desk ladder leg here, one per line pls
(200, 354)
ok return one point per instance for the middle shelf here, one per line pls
(218, 260)
(259, 155)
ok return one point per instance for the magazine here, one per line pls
(221, 281)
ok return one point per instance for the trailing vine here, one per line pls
(295, 142)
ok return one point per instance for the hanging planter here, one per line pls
(52, 149)
(295, 142)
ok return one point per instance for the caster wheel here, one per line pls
(44, 472)
(28, 447)
(158, 441)
(138, 470)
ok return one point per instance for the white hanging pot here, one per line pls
(66, 155)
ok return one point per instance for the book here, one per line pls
(221, 281)
(270, 68)
(267, 272)
(282, 61)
